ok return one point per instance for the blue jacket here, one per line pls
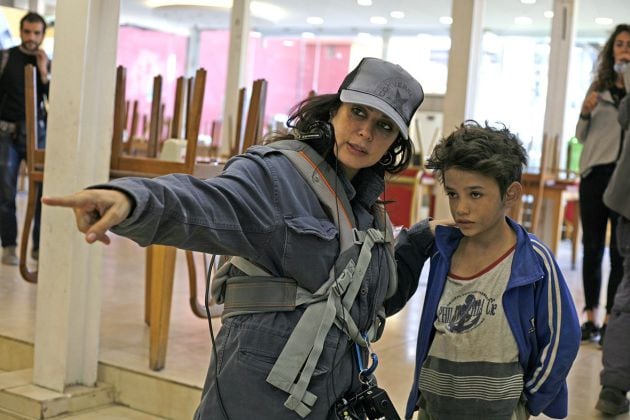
(537, 303)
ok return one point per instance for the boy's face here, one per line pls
(475, 202)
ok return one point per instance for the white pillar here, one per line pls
(463, 64)
(386, 35)
(77, 155)
(237, 61)
(192, 51)
(561, 45)
(38, 6)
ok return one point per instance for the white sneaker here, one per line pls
(9, 256)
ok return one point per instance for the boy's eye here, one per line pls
(451, 194)
(475, 194)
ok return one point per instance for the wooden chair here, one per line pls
(160, 260)
(529, 209)
(35, 168)
(403, 195)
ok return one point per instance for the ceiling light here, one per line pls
(378, 20)
(266, 11)
(364, 2)
(446, 20)
(308, 35)
(603, 21)
(226, 4)
(548, 14)
(258, 9)
(314, 20)
(523, 20)
(528, 1)
(397, 14)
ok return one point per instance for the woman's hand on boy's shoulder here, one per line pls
(442, 222)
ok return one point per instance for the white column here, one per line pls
(463, 64)
(77, 155)
(237, 61)
(386, 35)
(561, 45)
(38, 6)
(192, 52)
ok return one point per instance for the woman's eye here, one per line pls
(358, 111)
(386, 126)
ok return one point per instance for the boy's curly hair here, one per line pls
(491, 151)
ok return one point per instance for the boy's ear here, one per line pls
(513, 194)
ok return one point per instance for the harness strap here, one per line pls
(302, 344)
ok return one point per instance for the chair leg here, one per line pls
(576, 234)
(33, 187)
(163, 270)
(148, 275)
(198, 309)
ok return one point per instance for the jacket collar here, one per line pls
(526, 267)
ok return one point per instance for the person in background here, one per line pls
(499, 331)
(599, 131)
(269, 214)
(13, 128)
(615, 375)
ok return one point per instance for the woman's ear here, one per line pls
(513, 194)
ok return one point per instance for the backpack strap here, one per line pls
(4, 59)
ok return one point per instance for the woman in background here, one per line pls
(601, 134)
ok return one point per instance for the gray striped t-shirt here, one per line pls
(472, 369)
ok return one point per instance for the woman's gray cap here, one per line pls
(386, 87)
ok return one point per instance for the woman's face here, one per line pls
(363, 136)
(621, 47)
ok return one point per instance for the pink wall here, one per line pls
(291, 70)
(146, 54)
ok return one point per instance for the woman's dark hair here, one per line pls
(318, 109)
(605, 76)
(493, 152)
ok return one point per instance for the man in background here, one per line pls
(13, 129)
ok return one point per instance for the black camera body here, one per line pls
(371, 403)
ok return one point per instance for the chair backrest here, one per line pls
(255, 114)
(528, 210)
(235, 147)
(119, 115)
(146, 166)
(34, 156)
(155, 123)
(179, 109)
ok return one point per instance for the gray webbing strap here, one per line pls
(303, 349)
(304, 346)
(321, 177)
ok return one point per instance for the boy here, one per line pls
(499, 330)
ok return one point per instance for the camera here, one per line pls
(371, 403)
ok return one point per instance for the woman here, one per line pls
(265, 210)
(601, 134)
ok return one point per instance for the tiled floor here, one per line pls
(125, 338)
